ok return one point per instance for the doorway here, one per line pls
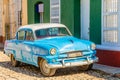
(39, 9)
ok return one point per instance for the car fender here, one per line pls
(8, 52)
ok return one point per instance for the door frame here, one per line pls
(85, 20)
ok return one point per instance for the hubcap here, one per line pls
(45, 67)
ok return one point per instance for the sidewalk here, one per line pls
(114, 71)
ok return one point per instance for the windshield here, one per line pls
(51, 32)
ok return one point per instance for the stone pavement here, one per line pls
(25, 72)
(112, 71)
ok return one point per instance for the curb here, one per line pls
(113, 71)
(117, 75)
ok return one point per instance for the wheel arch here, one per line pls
(9, 52)
(40, 58)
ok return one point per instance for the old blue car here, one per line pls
(50, 46)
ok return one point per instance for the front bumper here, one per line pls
(71, 64)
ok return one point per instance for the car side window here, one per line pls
(21, 35)
(29, 36)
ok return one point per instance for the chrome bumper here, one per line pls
(71, 64)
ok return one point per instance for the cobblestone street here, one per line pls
(28, 72)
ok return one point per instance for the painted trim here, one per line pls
(87, 18)
(102, 23)
(107, 47)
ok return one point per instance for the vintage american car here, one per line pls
(50, 46)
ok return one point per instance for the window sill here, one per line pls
(106, 47)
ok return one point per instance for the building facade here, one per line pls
(95, 20)
(10, 18)
(1, 2)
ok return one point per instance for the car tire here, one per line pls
(44, 68)
(86, 67)
(14, 62)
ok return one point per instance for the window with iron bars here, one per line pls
(55, 11)
(19, 18)
(111, 22)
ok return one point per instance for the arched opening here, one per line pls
(39, 9)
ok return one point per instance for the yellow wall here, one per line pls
(5, 17)
(24, 12)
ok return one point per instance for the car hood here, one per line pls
(65, 44)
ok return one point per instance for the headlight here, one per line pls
(53, 51)
(93, 46)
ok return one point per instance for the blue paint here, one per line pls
(30, 51)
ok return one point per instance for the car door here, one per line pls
(27, 52)
(19, 44)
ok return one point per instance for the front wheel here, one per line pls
(44, 68)
(14, 62)
(86, 67)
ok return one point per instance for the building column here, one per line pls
(1, 2)
(24, 12)
(12, 18)
(3, 21)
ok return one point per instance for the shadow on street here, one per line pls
(35, 72)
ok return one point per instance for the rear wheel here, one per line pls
(14, 62)
(44, 68)
(86, 67)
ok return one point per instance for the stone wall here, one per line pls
(14, 9)
(9, 18)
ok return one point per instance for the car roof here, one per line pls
(41, 26)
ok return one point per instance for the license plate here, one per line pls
(76, 54)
